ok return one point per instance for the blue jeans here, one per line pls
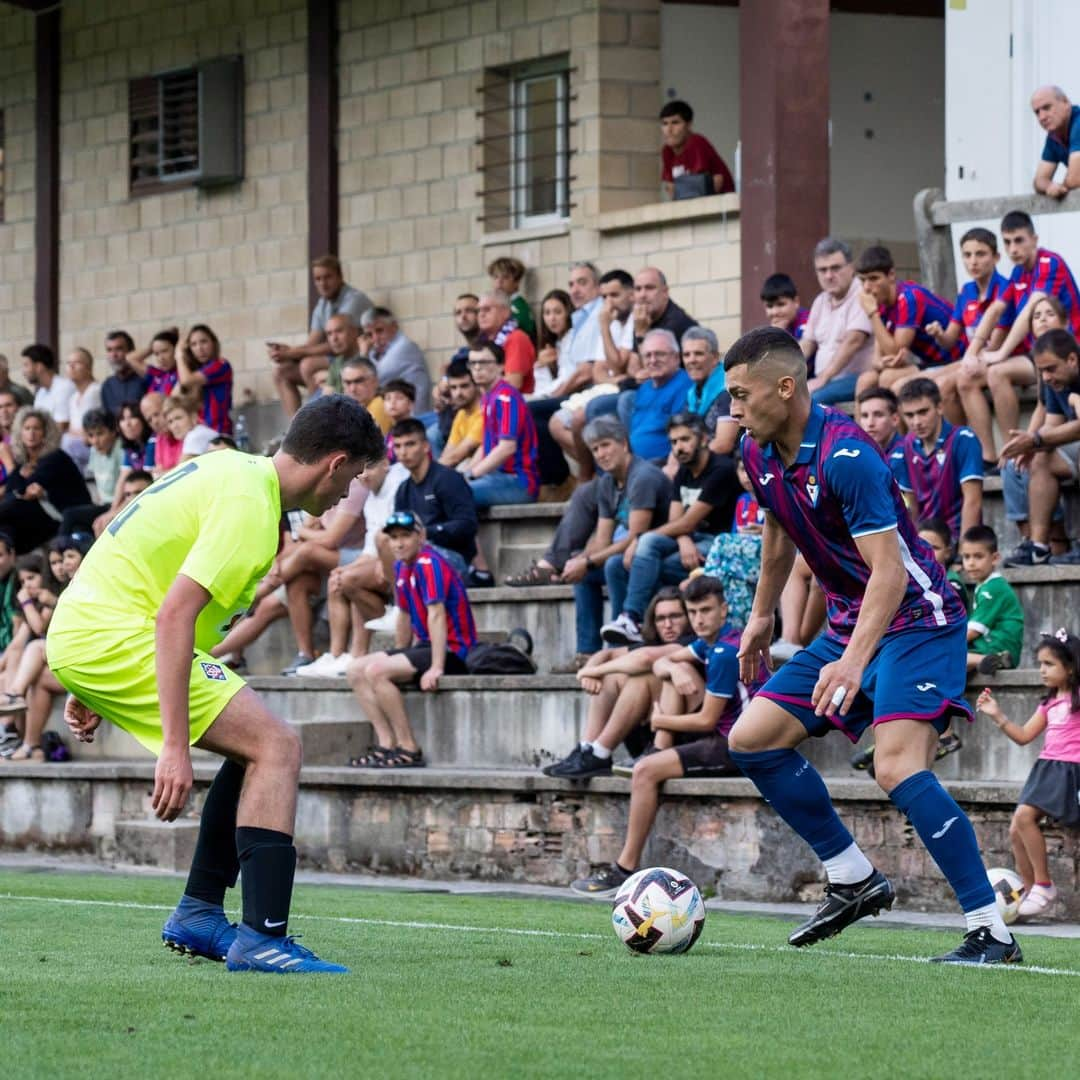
(589, 607)
(656, 562)
(1014, 487)
(498, 488)
(621, 404)
(454, 558)
(842, 388)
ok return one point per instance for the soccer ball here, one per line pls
(1008, 891)
(658, 911)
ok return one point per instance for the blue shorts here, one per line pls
(917, 674)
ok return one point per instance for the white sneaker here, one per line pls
(386, 623)
(622, 630)
(326, 667)
(1037, 902)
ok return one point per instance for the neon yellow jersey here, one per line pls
(213, 519)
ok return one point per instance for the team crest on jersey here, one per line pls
(812, 489)
(213, 671)
(940, 455)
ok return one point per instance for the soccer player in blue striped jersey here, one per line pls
(893, 654)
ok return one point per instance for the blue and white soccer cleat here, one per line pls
(196, 928)
(252, 951)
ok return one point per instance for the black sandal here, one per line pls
(400, 758)
(535, 575)
(373, 759)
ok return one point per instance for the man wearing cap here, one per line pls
(433, 612)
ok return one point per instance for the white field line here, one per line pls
(458, 928)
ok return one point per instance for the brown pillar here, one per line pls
(322, 189)
(47, 179)
(784, 130)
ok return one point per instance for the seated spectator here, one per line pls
(938, 467)
(105, 465)
(343, 340)
(877, 411)
(157, 362)
(163, 451)
(690, 725)
(295, 365)
(553, 373)
(9, 406)
(707, 397)
(437, 495)
(132, 483)
(359, 381)
(702, 504)
(9, 613)
(360, 586)
(52, 392)
(7, 385)
(398, 397)
(837, 339)
(654, 309)
(735, 556)
(900, 313)
(7, 459)
(1058, 117)
(435, 632)
(978, 248)
(87, 396)
(202, 370)
(686, 153)
(632, 497)
(663, 392)
(506, 276)
(1037, 273)
(466, 325)
(467, 430)
(622, 688)
(395, 356)
(125, 383)
(995, 629)
(1049, 450)
(135, 435)
(505, 469)
(181, 418)
(45, 474)
(780, 295)
(497, 327)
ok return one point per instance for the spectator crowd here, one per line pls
(610, 397)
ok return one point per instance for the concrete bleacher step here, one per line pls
(149, 842)
(523, 721)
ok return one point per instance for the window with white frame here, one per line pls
(526, 145)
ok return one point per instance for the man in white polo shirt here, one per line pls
(837, 335)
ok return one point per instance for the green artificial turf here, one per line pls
(441, 987)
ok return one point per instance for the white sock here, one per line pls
(849, 867)
(988, 916)
(602, 752)
(584, 744)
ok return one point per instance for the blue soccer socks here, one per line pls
(795, 790)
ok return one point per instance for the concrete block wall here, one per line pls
(17, 229)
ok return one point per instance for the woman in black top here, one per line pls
(43, 486)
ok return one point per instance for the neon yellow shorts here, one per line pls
(120, 685)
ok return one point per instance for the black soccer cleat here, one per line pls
(981, 947)
(843, 905)
(606, 882)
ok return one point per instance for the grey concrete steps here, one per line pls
(527, 721)
(149, 842)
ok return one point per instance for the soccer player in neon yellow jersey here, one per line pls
(131, 641)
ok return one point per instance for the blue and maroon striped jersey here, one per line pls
(914, 309)
(1050, 275)
(838, 489)
(720, 659)
(217, 395)
(797, 325)
(160, 381)
(970, 307)
(507, 416)
(936, 479)
(432, 580)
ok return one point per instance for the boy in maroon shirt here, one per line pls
(685, 153)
